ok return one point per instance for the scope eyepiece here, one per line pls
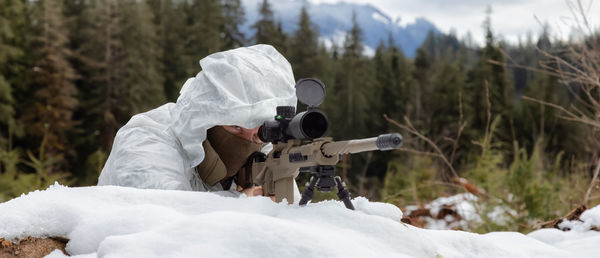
(269, 131)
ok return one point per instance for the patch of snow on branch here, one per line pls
(589, 218)
(579, 236)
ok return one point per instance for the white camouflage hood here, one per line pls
(236, 87)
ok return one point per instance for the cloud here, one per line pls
(512, 19)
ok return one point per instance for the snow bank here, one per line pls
(126, 222)
(465, 205)
(575, 235)
(588, 219)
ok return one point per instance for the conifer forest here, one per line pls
(515, 124)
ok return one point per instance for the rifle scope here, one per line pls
(307, 125)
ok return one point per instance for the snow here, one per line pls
(466, 206)
(368, 51)
(589, 218)
(380, 18)
(463, 203)
(575, 235)
(337, 38)
(127, 222)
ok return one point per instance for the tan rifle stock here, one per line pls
(283, 163)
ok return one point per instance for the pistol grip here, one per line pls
(284, 188)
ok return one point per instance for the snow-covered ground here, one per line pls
(125, 222)
(465, 205)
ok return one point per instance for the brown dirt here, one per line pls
(32, 247)
(417, 217)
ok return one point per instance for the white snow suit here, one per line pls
(159, 149)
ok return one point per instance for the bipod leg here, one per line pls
(343, 194)
(309, 192)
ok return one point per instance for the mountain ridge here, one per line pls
(335, 19)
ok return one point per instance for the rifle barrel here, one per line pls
(382, 142)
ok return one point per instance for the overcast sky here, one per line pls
(510, 18)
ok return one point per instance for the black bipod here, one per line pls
(325, 180)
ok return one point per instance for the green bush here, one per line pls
(518, 195)
(14, 180)
(413, 181)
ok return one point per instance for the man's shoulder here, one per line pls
(151, 126)
(159, 117)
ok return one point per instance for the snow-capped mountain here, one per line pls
(334, 20)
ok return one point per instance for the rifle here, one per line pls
(300, 146)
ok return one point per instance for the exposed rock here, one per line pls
(32, 247)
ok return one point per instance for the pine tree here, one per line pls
(204, 21)
(265, 25)
(331, 78)
(280, 39)
(448, 82)
(234, 17)
(441, 45)
(354, 85)
(142, 65)
(392, 79)
(12, 18)
(171, 40)
(353, 44)
(103, 92)
(396, 94)
(422, 79)
(329, 69)
(304, 49)
(267, 31)
(393, 76)
(50, 114)
(383, 102)
(121, 59)
(536, 121)
(353, 91)
(500, 91)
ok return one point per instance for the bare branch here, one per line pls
(461, 127)
(424, 153)
(593, 183)
(489, 117)
(411, 129)
(570, 116)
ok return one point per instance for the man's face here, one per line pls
(252, 136)
(247, 134)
